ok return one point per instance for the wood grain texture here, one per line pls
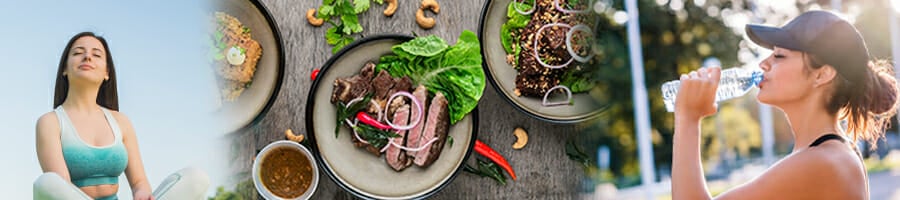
(542, 167)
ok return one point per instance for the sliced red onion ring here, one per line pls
(377, 107)
(563, 10)
(565, 102)
(355, 134)
(351, 102)
(583, 28)
(407, 148)
(352, 124)
(528, 12)
(418, 106)
(390, 142)
(535, 48)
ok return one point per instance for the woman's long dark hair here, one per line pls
(108, 96)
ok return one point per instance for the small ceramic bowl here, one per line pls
(257, 165)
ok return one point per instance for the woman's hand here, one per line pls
(697, 93)
(143, 195)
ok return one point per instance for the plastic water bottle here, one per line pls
(733, 83)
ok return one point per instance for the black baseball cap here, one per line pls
(830, 38)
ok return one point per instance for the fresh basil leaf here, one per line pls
(346, 111)
(376, 137)
(487, 169)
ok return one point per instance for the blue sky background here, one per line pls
(165, 86)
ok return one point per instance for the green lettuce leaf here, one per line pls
(513, 25)
(454, 70)
(423, 46)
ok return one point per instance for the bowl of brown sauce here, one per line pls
(285, 170)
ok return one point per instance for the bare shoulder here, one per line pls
(830, 170)
(124, 122)
(833, 160)
(47, 123)
(121, 118)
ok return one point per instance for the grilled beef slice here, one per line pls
(412, 138)
(436, 126)
(394, 156)
(382, 83)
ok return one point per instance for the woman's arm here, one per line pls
(695, 100)
(49, 146)
(137, 178)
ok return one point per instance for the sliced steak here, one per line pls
(383, 82)
(396, 157)
(412, 138)
(368, 71)
(349, 88)
(400, 84)
(437, 126)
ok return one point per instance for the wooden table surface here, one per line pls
(543, 169)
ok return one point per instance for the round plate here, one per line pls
(358, 171)
(256, 100)
(503, 75)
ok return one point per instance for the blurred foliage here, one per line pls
(739, 128)
(242, 191)
(676, 39)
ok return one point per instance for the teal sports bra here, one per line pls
(92, 165)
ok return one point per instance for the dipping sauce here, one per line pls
(286, 172)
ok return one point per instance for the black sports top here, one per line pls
(824, 138)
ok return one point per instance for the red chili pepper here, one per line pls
(315, 73)
(488, 152)
(366, 119)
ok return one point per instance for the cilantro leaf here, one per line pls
(360, 6)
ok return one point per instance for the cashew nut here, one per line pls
(427, 22)
(521, 138)
(424, 22)
(391, 8)
(432, 5)
(290, 136)
(311, 17)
